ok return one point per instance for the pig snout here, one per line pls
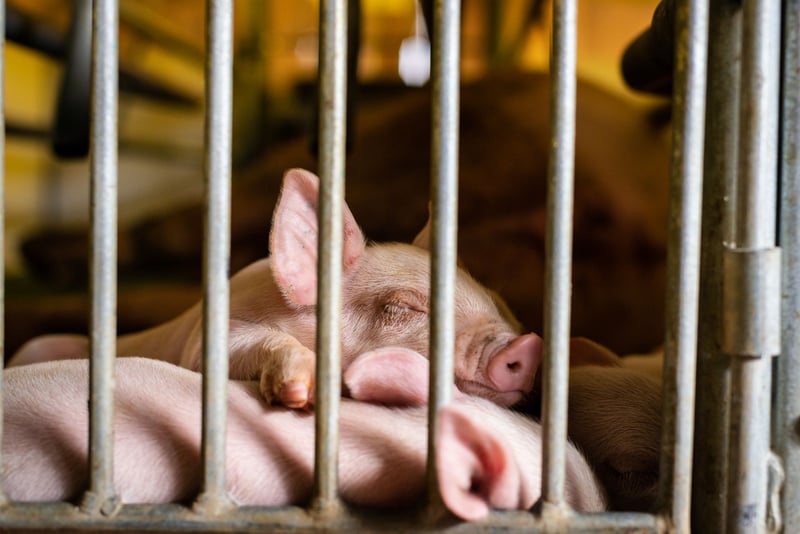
(514, 366)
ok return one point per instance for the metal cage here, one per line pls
(732, 293)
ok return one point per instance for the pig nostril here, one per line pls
(513, 367)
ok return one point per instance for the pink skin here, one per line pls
(488, 457)
(385, 303)
(614, 412)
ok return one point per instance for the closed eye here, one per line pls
(398, 308)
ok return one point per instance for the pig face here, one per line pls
(386, 303)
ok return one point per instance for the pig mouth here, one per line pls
(506, 399)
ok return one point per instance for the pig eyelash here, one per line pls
(393, 309)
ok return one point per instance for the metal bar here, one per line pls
(755, 230)
(558, 251)
(101, 498)
(332, 135)
(709, 481)
(683, 260)
(445, 72)
(149, 517)
(786, 408)
(219, 73)
(3, 498)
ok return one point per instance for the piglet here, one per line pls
(488, 456)
(615, 413)
(385, 303)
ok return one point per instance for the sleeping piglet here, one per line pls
(385, 303)
(487, 456)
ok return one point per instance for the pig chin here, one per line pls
(506, 399)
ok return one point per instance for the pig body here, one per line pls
(614, 417)
(488, 456)
(385, 303)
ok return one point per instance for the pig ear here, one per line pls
(423, 239)
(584, 351)
(389, 375)
(293, 239)
(476, 470)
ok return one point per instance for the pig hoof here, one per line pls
(295, 395)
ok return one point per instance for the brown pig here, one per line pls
(614, 417)
(385, 303)
(487, 456)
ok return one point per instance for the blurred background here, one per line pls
(621, 160)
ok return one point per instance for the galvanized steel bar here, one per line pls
(709, 480)
(786, 408)
(219, 73)
(558, 251)
(755, 231)
(683, 260)
(332, 135)
(150, 517)
(3, 498)
(101, 497)
(445, 73)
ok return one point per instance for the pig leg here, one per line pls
(284, 367)
(51, 347)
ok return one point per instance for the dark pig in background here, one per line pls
(621, 171)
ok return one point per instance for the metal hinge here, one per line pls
(751, 301)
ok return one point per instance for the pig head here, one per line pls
(385, 302)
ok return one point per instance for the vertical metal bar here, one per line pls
(755, 230)
(332, 135)
(219, 74)
(787, 402)
(444, 228)
(101, 497)
(558, 250)
(709, 480)
(683, 259)
(3, 498)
